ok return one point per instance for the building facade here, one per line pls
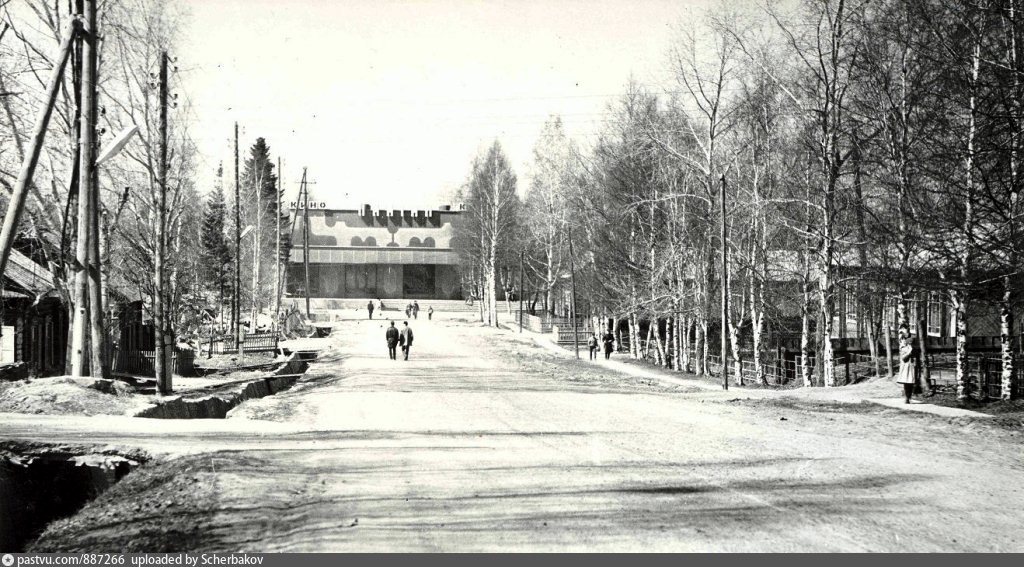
(399, 254)
(35, 321)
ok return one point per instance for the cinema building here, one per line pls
(376, 254)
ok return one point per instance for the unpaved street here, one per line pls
(485, 441)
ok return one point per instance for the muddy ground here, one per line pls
(163, 506)
(64, 395)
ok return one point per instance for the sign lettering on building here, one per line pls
(308, 204)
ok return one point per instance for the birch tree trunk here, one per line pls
(659, 348)
(672, 359)
(757, 299)
(1006, 343)
(1006, 307)
(634, 336)
(888, 350)
(960, 299)
(700, 337)
(704, 348)
(805, 337)
(685, 344)
(960, 311)
(925, 375)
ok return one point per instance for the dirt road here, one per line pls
(484, 441)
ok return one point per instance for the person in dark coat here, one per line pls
(430, 313)
(609, 344)
(907, 375)
(405, 339)
(369, 307)
(415, 309)
(392, 338)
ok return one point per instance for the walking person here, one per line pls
(430, 313)
(392, 337)
(415, 309)
(907, 375)
(408, 310)
(592, 343)
(369, 307)
(406, 339)
(609, 344)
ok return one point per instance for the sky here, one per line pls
(387, 102)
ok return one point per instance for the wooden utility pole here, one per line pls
(86, 186)
(236, 307)
(277, 239)
(725, 295)
(99, 363)
(163, 373)
(304, 202)
(257, 247)
(220, 269)
(16, 206)
(575, 324)
(522, 255)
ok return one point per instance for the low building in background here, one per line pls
(35, 320)
(399, 254)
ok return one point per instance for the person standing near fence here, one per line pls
(369, 307)
(907, 376)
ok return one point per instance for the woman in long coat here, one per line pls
(907, 375)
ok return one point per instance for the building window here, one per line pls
(850, 304)
(935, 309)
(356, 241)
(890, 313)
(370, 241)
(414, 242)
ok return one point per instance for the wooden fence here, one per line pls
(254, 342)
(143, 362)
(984, 374)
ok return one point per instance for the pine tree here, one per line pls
(216, 254)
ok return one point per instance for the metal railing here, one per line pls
(251, 342)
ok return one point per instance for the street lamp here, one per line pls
(117, 144)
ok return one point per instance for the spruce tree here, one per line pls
(216, 254)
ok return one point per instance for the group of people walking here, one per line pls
(609, 344)
(411, 310)
(396, 338)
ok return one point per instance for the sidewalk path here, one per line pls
(839, 394)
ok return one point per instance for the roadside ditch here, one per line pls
(216, 401)
(41, 483)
